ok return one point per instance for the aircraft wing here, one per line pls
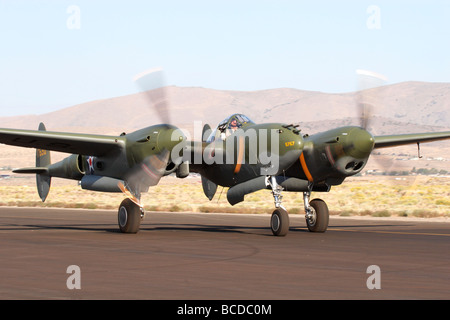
(402, 139)
(76, 143)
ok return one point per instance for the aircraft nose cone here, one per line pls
(363, 143)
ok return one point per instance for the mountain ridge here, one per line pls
(416, 104)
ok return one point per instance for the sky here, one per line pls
(55, 54)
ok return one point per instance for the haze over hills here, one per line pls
(421, 105)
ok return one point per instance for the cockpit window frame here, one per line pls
(225, 124)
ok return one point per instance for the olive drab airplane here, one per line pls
(238, 154)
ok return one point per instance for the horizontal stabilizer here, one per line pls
(40, 170)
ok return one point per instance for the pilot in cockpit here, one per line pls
(233, 126)
(229, 126)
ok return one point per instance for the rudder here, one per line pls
(43, 160)
(209, 187)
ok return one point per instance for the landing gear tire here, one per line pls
(318, 219)
(279, 222)
(129, 217)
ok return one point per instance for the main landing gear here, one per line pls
(130, 216)
(131, 211)
(316, 212)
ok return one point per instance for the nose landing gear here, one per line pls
(279, 222)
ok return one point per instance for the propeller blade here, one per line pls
(144, 175)
(150, 171)
(152, 85)
(366, 99)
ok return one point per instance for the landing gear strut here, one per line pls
(131, 211)
(279, 222)
(316, 211)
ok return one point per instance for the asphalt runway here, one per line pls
(218, 256)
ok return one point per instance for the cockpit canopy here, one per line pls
(228, 126)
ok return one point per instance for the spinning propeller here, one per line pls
(149, 171)
(153, 86)
(368, 100)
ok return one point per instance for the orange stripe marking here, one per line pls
(240, 155)
(305, 168)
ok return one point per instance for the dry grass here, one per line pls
(419, 196)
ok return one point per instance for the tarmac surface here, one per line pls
(186, 256)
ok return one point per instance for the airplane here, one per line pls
(304, 163)
(238, 154)
(131, 163)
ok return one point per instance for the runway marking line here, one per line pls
(393, 232)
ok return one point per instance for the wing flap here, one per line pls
(403, 139)
(76, 143)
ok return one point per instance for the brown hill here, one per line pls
(420, 105)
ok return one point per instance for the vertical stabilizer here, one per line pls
(209, 187)
(43, 180)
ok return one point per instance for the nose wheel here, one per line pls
(279, 222)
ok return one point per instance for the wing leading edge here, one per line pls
(99, 145)
(76, 143)
(403, 139)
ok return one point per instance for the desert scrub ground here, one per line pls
(419, 196)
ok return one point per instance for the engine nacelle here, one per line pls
(69, 168)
